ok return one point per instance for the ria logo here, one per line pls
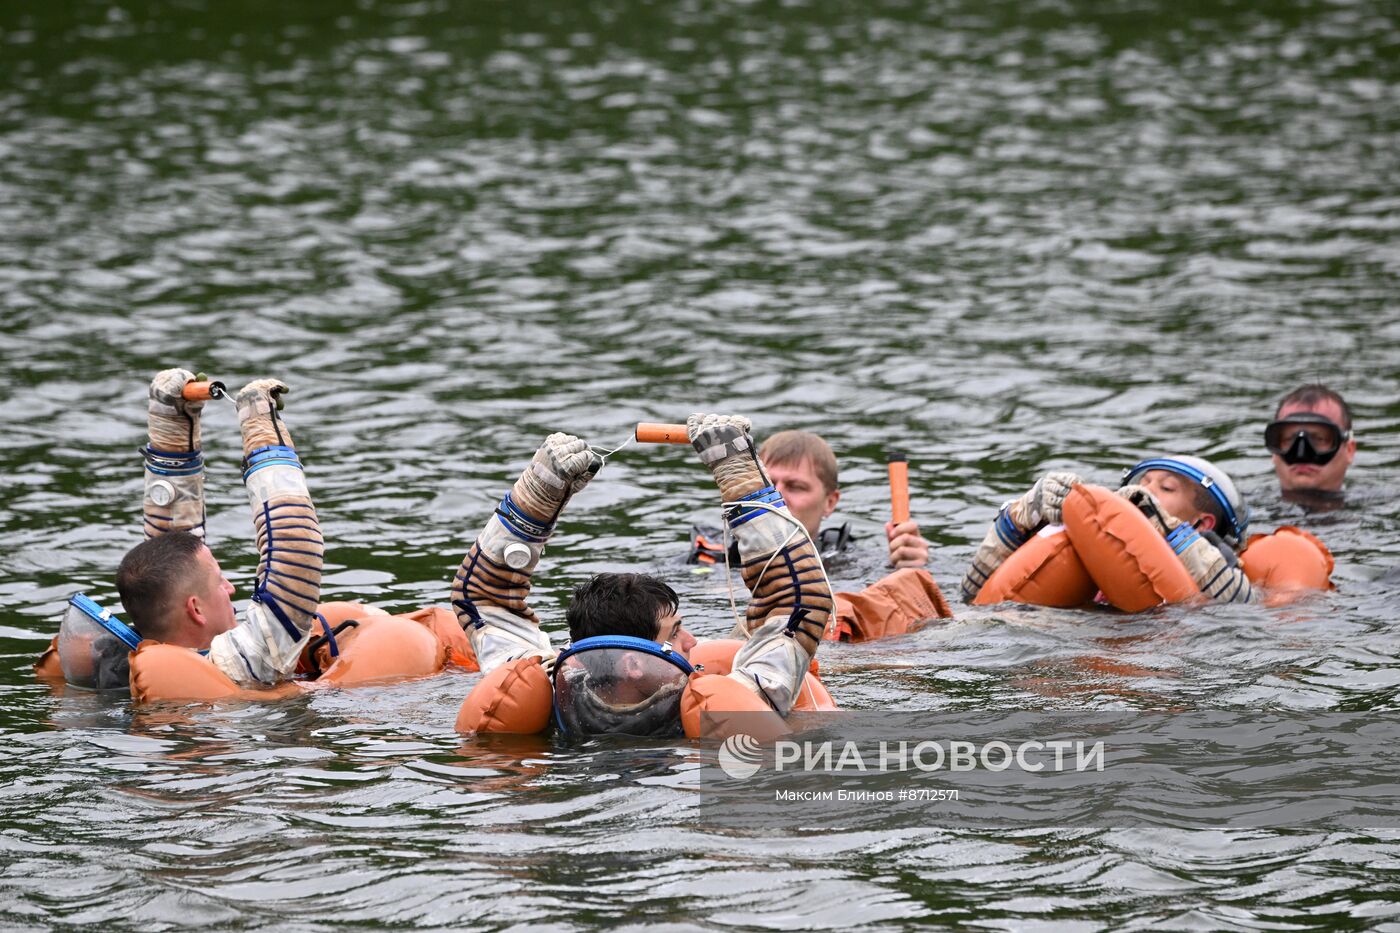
(740, 756)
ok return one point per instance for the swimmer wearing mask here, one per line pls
(1311, 442)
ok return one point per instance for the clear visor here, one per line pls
(617, 691)
(78, 636)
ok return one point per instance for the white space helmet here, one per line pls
(1217, 483)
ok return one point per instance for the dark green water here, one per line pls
(1005, 237)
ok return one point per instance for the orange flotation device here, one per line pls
(1287, 563)
(1045, 571)
(371, 647)
(48, 668)
(716, 656)
(515, 698)
(895, 605)
(1127, 557)
(715, 706)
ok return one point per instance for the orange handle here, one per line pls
(203, 391)
(899, 488)
(649, 433)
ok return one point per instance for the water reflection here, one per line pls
(1008, 237)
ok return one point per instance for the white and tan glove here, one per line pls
(172, 422)
(790, 599)
(1216, 573)
(1042, 504)
(265, 646)
(174, 495)
(490, 589)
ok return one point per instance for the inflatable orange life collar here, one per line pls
(1107, 546)
(517, 697)
(896, 605)
(379, 648)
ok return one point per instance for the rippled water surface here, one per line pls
(1003, 237)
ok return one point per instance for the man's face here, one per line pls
(1327, 477)
(213, 595)
(671, 628)
(1177, 496)
(806, 498)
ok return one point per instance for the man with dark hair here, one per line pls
(632, 604)
(1311, 442)
(631, 684)
(172, 587)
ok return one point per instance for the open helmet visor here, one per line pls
(85, 626)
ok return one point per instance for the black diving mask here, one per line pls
(1305, 438)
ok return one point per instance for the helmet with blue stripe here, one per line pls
(1216, 482)
(619, 685)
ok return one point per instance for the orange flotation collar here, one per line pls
(895, 605)
(517, 697)
(372, 647)
(1108, 546)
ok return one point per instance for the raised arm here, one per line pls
(264, 647)
(790, 599)
(174, 498)
(491, 586)
(1017, 520)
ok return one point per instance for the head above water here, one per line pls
(174, 591)
(1323, 418)
(633, 604)
(1195, 491)
(803, 467)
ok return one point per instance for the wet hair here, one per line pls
(154, 576)
(1312, 393)
(620, 604)
(790, 448)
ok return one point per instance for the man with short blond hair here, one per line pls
(803, 467)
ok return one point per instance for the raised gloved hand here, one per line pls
(1043, 502)
(562, 466)
(725, 446)
(258, 404)
(1148, 505)
(172, 422)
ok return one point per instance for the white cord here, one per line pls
(605, 454)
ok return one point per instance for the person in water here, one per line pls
(1190, 501)
(1311, 442)
(171, 585)
(631, 683)
(803, 467)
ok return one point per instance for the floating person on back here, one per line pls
(627, 669)
(185, 641)
(171, 585)
(1170, 533)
